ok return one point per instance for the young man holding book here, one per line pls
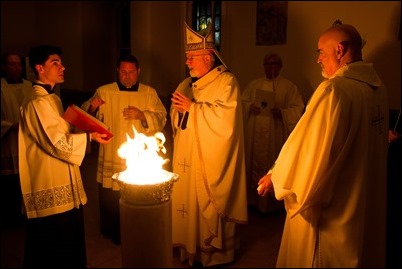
(122, 105)
(49, 157)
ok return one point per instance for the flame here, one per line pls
(144, 164)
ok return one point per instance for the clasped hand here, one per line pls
(276, 112)
(255, 109)
(393, 135)
(133, 113)
(95, 103)
(265, 185)
(180, 102)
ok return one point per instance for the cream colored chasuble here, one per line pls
(209, 159)
(331, 173)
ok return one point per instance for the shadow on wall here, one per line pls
(381, 57)
(71, 96)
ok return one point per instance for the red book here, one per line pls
(85, 121)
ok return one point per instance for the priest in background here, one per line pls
(272, 106)
(122, 105)
(14, 89)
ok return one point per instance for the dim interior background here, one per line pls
(93, 32)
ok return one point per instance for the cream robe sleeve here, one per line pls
(49, 158)
(175, 116)
(301, 169)
(54, 136)
(292, 108)
(154, 111)
(216, 118)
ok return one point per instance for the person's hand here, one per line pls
(276, 112)
(393, 135)
(180, 102)
(133, 113)
(254, 109)
(100, 138)
(265, 185)
(95, 103)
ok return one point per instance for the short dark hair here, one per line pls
(128, 58)
(40, 54)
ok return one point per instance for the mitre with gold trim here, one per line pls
(204, 39)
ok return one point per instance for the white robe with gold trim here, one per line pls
(210, 194)
(331, 173)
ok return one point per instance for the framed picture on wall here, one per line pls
(272, 18)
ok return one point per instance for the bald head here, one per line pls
(348, 37)
(338, 46)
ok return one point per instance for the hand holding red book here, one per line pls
(85, 121)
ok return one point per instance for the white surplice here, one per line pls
(264, 134)
(111, 113)
(209, 198)
(49, 157)
(12, 96)
(331, 173)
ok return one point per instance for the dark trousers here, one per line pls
(109, 211)
(394, 204)
(56, 241)
(11, 201)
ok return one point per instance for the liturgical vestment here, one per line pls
(49, 157)
(331, 174)
(12, 96)
(111, 113)
(264, 133)
(210, 194)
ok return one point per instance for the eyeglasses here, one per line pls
(190, 58)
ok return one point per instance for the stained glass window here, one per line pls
(204, 13)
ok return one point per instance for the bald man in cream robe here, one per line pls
(331, 173)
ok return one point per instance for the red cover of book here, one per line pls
(85, 121)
